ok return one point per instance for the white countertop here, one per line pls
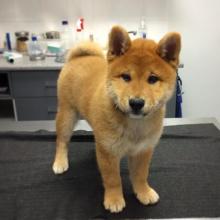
(24, 63)
(6, 125)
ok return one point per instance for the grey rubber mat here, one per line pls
(185, 171)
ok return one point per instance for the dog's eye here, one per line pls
(126, 77)
(153, 79)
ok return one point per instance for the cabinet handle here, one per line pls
(51, 110)
(49, 85)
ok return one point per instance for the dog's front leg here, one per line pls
(109, 166)
(139, 170)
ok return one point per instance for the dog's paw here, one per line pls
(148, 196)
(114, 204)
(60, 166)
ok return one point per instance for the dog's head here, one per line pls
(142, 73)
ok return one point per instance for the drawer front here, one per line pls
(38, 108)
(45, 108)
(34, 83)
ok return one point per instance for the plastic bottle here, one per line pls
(34, 50)
(142, 29)
(64, 35)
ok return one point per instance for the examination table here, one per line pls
(185, 171)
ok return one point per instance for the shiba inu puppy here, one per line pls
(123, 98)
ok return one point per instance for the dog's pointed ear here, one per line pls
(169, 48)
(119, 42)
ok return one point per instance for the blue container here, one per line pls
(8, 41)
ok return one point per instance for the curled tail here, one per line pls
(85, 49)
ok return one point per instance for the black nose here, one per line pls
(136, 104)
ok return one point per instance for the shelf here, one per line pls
(5, 97)
(4, 87)
(6, 108)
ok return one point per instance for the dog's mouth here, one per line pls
(143, 113)
(133, 114)
(137, 114)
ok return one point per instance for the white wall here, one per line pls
(100, 15)
(198, 22)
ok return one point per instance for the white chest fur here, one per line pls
(133, 138)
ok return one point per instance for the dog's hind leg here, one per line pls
(65, 121)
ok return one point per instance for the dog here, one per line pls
(123, 98)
